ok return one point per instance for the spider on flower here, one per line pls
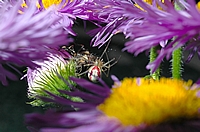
(88, 63)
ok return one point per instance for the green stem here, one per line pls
(153, 55)
(176, 63)
(176, 55)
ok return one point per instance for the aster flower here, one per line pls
(72, 8)
(132, 105)
(26, 37)
(117, 14)
(182, 28)
(69, 10)
(149, 27)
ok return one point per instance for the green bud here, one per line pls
(50, 77)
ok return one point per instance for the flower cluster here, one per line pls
(148, 25)
(33, 34)
(134, 104)
(27, 26)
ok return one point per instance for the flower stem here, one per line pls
(176, 63)
(176, 55)
(153, 54)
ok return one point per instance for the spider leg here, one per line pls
(82, 48)
(84, 66)
(108, 68)
(105, 49)
(83, 73)
(107, 65)
(115, 61)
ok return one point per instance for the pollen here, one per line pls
(141, 101)
(48, 3)
(23, 4)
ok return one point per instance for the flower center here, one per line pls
(48, 3)
(198, 5)
(139, 101)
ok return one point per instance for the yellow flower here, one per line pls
(198, 5)
(48, 3)
(140, 101)
(45, 3)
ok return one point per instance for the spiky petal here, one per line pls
(148, 26)
(180, 26)
(69, 10)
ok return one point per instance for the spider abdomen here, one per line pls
(94, 73)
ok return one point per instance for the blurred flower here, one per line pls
(28, 36)
(148, 27)
(50, 76)
(116, 14)
(134, 105)
(69, 10)
(180, 27)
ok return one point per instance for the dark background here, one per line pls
(13, 97)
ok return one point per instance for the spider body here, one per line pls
(87, 63)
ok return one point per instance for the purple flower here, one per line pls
(149, 27)
(69, 10)
(27, 36)
(181, 27)
(117, 14)
(129, 99)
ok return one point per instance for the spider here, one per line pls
(97, 66)
(87, 63)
